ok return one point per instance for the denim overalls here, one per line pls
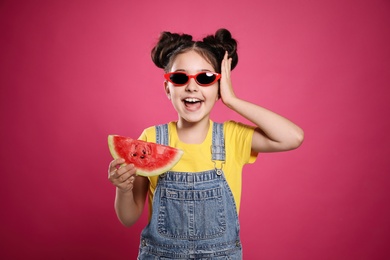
(194, 214)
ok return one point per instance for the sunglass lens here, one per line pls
(206, 78)
(179, 78)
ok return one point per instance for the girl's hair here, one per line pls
(212, 48)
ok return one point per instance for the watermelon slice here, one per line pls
(150, 159)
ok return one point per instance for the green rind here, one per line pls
(139, 171)
(111, 147)
(161, 170)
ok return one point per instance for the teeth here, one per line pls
(193, 100)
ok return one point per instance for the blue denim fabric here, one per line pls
(194, 217)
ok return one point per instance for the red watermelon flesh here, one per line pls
(150, 159)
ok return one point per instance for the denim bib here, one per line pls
(194, 215)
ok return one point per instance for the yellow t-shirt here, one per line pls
(197, 157)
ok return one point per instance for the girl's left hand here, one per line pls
(226, 88)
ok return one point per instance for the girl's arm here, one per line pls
(131, 191)
(274, 133)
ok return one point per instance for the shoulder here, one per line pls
(149, 133)
(238, 138)
(233, 127)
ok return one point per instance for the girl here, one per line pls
(194, 206)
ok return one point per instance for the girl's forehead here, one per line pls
(191, 60)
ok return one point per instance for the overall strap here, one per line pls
(218, 146)
(162, 134)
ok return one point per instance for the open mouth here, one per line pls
(192, 102)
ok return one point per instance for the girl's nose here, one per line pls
(192, 85)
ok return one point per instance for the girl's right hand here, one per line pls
(226, 88)
(121, 176)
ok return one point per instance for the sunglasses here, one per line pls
(205, 78)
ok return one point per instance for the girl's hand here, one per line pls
(226, 88)
(121, 176)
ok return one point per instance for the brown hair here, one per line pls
(212, 48)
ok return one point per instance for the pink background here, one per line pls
(73, 72)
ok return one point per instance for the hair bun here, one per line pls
(167, 44)
(221, 42)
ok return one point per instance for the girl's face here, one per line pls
(192, 102)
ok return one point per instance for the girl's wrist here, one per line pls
(123, 192)
(229, 102)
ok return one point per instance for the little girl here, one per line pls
(194, 206)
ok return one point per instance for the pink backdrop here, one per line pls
(73, 72)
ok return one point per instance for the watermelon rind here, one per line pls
(146, 172)
(111, 147)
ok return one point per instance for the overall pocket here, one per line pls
(192, 214)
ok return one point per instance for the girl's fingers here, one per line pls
(125, 169)
(127, 185)
(122, 177)
(122, 173)
(226, 88)
(226, 64)
(115, 164)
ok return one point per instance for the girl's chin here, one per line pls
(194, 118)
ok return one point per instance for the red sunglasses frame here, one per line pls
(168, 77)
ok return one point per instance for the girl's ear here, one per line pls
(167, 90)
